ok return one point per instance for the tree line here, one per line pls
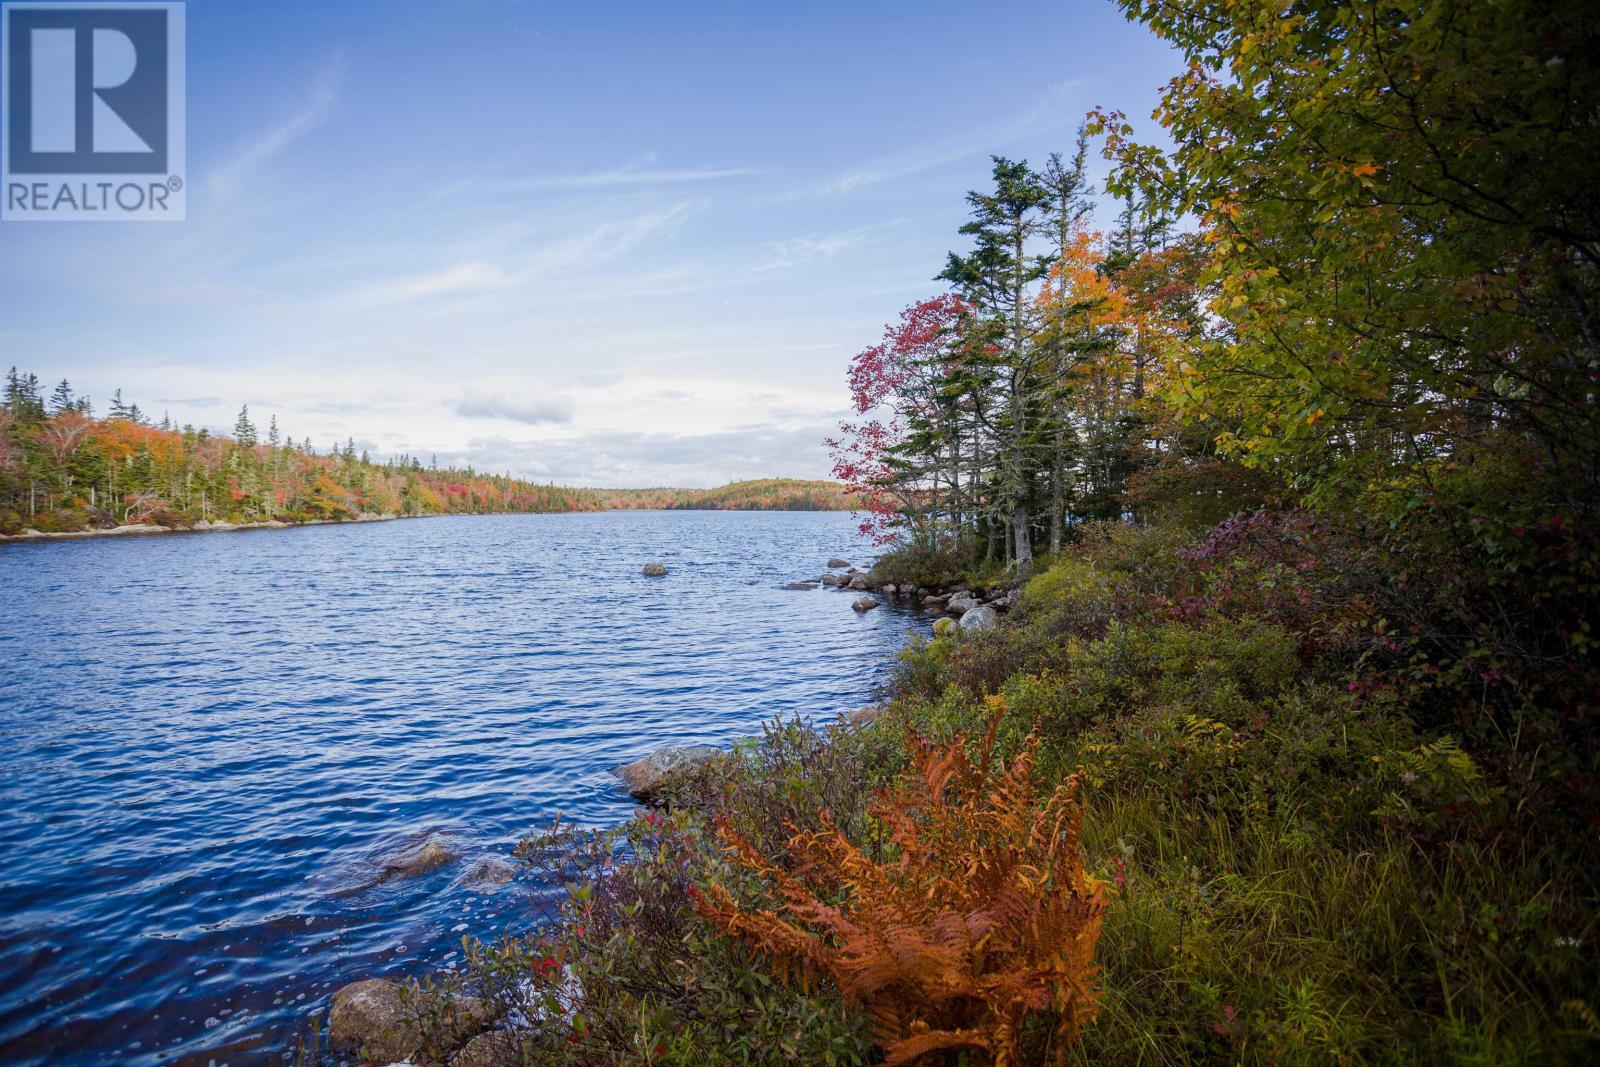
(1019, 401)
(1364, 277)
(63, 469)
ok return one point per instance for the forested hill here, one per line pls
(64, 469)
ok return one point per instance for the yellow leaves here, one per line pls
(1311, 419)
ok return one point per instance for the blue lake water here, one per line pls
(206, 737)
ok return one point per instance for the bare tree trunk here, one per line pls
(1057, 503)
(1024, 537)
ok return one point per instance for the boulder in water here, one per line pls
(488, 873)
(654, 570)
(864, 603)
(645, 777)
(836, 562)
(431, 852)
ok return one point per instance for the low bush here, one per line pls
(977, 936)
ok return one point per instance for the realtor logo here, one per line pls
(92, 111)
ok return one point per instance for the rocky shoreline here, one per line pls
(203, 526)
(380, 1018)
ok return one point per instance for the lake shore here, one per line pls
(139, 529)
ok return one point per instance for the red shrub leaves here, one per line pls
(986, 922)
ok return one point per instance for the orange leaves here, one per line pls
(984, 924)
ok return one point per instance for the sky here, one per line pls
(595, 244)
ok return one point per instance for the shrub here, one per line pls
(980, 936)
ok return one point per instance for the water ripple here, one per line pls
(211, 741)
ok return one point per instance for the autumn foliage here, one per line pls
(979, 936)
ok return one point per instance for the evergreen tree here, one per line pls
(61, 398)
(244, 430)
(994, 278)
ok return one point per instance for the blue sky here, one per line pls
(596, 244)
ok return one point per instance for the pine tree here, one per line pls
(994, 278)
(244, 430)
(119, 410)
(61, 399)
(272, 432)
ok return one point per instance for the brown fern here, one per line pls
(985, 922)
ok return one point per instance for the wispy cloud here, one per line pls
(458, 279)
(232, 173)
(623, 177)
(1047, 112)
(800, 250)
(535, 411)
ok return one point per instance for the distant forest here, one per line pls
(64, 468)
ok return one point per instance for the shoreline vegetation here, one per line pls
(1289, 749)
(66, 473)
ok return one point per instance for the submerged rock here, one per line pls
(864, 603)
(838, 562)
(488, 873)
(429, 854)
(982, 617)
(812, 584)
(654, 570)
(645, 777)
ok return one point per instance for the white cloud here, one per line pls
(534, 411)
(624, 459)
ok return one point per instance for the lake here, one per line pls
(207, 737)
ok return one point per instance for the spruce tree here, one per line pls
(61, 399)
(244, 430)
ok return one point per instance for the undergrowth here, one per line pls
(1273, 825)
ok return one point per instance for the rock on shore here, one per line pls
(377, 1018)
(982, 617)
(645, 777)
